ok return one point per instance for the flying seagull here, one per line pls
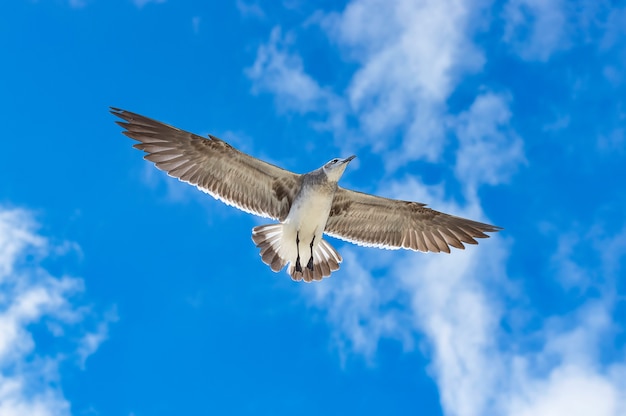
(306, 205)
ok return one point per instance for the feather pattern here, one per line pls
(299, 202)
(214, 166)
(374, 221)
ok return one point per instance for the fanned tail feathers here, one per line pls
(268, 238)
(325, 261)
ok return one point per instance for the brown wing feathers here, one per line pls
(267, 190)
(213, 166)
(380, 222)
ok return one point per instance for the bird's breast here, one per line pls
(310, 209)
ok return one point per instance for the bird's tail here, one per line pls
(325, 261)
(268, 238)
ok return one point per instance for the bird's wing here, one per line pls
(370, 220)
(213, 166)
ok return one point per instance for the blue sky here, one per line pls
(125, 292)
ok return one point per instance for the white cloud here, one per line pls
(91, 341)
(278, 71)
(411, 56)
(15, 240)
(428, 37)
(458, 302)
(442, 296)
(31, 297)
(450, 303)
(567, 376)
(570, 391)
(489, 150)
(359, 308)
(536, 28)
(567, 271)
(572, 371)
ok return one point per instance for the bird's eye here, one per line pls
(334, 161)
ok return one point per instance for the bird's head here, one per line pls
(334, 168)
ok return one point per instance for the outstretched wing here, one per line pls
(370, 220)
(214, 166)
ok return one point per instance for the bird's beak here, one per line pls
(348, 159)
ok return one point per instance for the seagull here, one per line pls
(307, 206)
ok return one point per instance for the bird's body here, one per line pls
(307, 219)
(300, 243)
(306, 206)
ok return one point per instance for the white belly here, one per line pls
(305, 222)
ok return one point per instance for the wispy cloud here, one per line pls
(250, 9)
(141, 3)
(460, 302)
(489, 149)
(31, 297)
(361, 308)
(567, 375)
(411, 58)
(281, 72)
(195, 24)
(78, 4)
(175, 190)
(536, 28)
(91, 340)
